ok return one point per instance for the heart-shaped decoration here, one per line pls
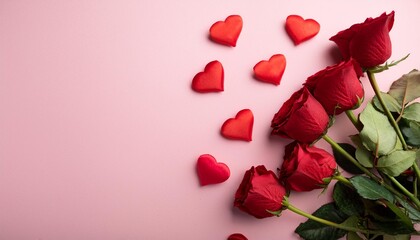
(271, 71)
(301, 30)
(210, 171)
(237, 236)
(227, 32)
(210, 80)
(240, 127)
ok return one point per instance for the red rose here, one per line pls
(259, 191)
(369, 42)
(337, 87)
(301, 118)
(305, 167)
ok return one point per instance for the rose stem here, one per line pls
(416, 169)
(342, 179)
(349, 157)
(354, 120)
(365, 170)
(294, 209)
(391, 119)
(405, 191)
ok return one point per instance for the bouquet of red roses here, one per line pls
(380, 199)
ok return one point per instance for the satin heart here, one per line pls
(237, 236)
(240, 127)
(272, 70)
(210, 171)
(301, 30)
(211, 80)
(227, 32)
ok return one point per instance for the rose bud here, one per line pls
(301, 118)
(368, 42)
(304, 167)
(259, 192)
(337, 87)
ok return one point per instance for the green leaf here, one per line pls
(347, 199)
(383, 218)
(396, 162)
(377, 134)
(312, 230)
(353, 236)
(369, 189)
(413, 213)
(406, 88)
(352, 221)
(394, 227)
(397, 237)
(410, 124)
(390, 102)
(343, 162)
(401, 215)
(418, 156)
(355, 139)
(411, 132)
(412, 112)
(364, 157)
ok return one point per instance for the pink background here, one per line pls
(100, 130)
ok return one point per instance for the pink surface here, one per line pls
(100, 130)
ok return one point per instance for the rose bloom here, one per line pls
(305, 167)
(337, 87)
(301, 118)
(258, 192)
(368, 42)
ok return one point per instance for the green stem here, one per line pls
(391, 119)
(416, 169)
(354, 120)
(349, 157)
(338, 148)
(405, 191)
(342, 179)
(324, 221)
(394, 124)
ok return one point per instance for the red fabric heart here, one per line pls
(237, 236)
(210, 171)
(211, 80)
(227, 32)
(272, 70)
(240, 127)
(301, 30)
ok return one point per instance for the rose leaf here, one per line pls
(412, 112)
(411, 132)
(377, 134)
(390, 102)
(392, 227)
(312, 230)
(402, 216)
(343, 162)
(396, 162)
(353, 236)
(397, 237)
(369, 189)
(347, 200)
(364, 157)
(413, 213)
(406, 88)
